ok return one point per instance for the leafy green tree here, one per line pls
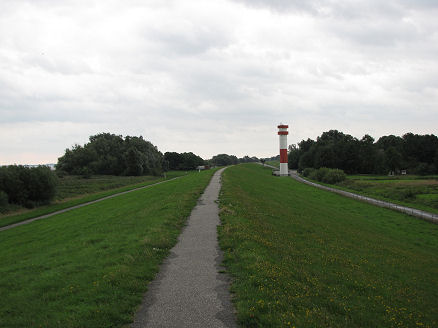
(174, 159)
(134, 162)
(393, 159)
(367, 160)
(247, 159)
(191, 161)
(335, 149)
(293, 156)
(183, 161)
(224, 159)
(28, 186)
(107, 153)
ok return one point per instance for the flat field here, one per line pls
(73, 190)
(303, 257)
(90, 267)
(414, 191)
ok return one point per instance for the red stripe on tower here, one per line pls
(283, 155)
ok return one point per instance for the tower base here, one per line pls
(284, 170)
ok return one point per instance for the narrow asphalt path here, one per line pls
(189, 291)
(80, 205)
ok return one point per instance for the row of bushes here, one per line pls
(325, 175)
(26, 186)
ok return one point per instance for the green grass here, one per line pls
(79, 191)
(72, 186)
(274, 163)
(303, 257)
(413, 191)
(90, 267)
(394, 178)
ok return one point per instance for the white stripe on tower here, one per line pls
(282, 132)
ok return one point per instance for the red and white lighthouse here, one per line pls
(282, 133)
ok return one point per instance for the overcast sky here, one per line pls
(212, 76)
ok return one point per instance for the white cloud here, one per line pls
(212, 77)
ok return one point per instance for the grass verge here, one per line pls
(80, 199)
(90, 267)
(303, 257)
(411, 191)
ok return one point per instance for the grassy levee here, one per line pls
(412, 191)
(303, 257)
(47, 209)
(90, 267)
(390, 193)
(274, 163)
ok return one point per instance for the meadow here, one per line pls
(303, 257)
(90, 267)
(75, 190)
(410, 190)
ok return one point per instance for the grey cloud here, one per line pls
(187, 38)
(344, 9)
(52, 64)
(178, 75)
(376, 33)
(282, 5)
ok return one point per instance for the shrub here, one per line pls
(334, 176)
(28, 186)
(408, 194)
(308, 171)
(325, 175)
(321, 173)
(60, 173)
(313, 175)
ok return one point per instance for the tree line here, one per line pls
(111, 154)
(417, 154)
(225, 159)
(182, 161)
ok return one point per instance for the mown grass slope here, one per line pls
(303, 257)
(414, 191)
(90, 267)
(75, 190)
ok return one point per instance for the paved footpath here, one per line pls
(189, 291)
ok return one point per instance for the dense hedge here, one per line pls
(26, 186)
